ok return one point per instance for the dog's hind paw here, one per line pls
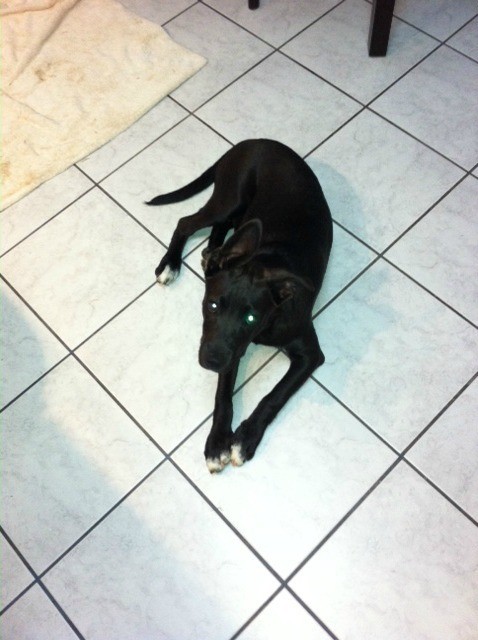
(167, 275)
(237, 457)
(215, 465)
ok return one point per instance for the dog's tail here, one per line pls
(189, 190)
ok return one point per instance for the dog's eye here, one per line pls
(212, 306)
(250, 318)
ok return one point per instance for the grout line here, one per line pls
(242, 27)
(301, 603)
(430, 292)
(61, 611)
(120, 405)
(39, 379)
(342, 520)
(101, 519)
(36, 581)
(347, 286)
(227, 522)
(438, 415)
(465, 24)
(414, 137)
(441, 492)
(113, 318)
(257, 613)
(28, 566)
(193, 4)
(311, 612)
(149, 144)
(55, 215)
(128, 213)
(35, 313)
(356, 416)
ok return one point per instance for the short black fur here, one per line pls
(261, 283)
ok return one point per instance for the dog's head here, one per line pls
(241, 297)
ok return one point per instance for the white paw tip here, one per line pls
(168, 275)
(217, 464)
(237, 458)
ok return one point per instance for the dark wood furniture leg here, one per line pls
(380, 23)
(253, 4)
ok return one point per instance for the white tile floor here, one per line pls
(357, 519)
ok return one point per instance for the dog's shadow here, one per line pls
(349, 326)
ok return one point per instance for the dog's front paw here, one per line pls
(217, 453)
(237, 456)
(217, 464)
(245, 442)
(166, 272)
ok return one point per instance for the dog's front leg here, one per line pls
(218, 443)
(305, 356)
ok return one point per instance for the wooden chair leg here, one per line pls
(253, 4)
(380, 23)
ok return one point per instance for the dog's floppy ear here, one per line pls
(284, 285)
(241, 246)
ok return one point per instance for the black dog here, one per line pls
(261, 283)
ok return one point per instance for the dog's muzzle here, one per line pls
(214, 357)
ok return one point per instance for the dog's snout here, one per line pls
(214, 357)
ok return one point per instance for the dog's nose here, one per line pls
(213, 358)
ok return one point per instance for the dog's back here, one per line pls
(274, 184)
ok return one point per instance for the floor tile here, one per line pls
(193, 30)
(142, 133)
(335, 47)
(401, 567)
(40, 205)
(148, 358)
(387, 345)
(367, 197)
(84, 266)
(466, 40)
(436, 103)
(447, 452)
(15, 575)
(28, 348)
(276, 21)
(171, 162)
(297, 500)
(69, 454)
(159, 12)
(441, 250)
(440, 18)
(201, 581)
(284, 617)
(34, 617)
(279, 99)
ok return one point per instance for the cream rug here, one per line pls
(75, 73)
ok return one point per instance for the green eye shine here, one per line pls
(250, 318)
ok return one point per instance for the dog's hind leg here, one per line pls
(217, 213)
(218, 443)
(169, 267)
(305, 356)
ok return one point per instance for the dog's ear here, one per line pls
(241, 246)
(284, 285)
